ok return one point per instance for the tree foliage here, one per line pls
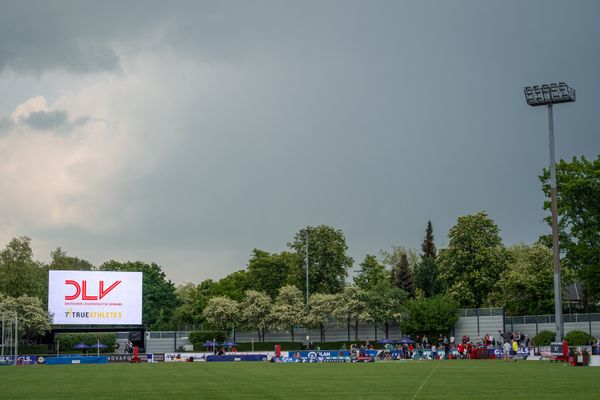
(159, 300)
(527, 287)
(426, 271)
(474, 261)
(60, 260)
(352, 307)
(402, 276)
(430, 316)
(385, 304)
(269, 272)
(320, 311)
(288, 309)
(428, 246)
(328, 261)
(190, 307)
(222, 313)
(426, 277)
(19, 274)
(578, 204)
(33, 318)
(256, 312)
(233, 285)
(371, 274)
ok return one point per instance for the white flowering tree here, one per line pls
(222, 313)
(320, 311)
(288, 309)
(34, 320)
(352, 308)
(256, 312)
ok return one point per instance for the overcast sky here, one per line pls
(188, 133)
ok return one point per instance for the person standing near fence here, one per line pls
(506, 347)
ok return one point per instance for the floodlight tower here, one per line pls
(547, 95)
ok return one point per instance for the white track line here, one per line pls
(437, 364)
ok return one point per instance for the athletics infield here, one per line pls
(452, 379)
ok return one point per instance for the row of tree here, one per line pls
(474, 270)
(351, 306)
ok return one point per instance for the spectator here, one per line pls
(506, 351)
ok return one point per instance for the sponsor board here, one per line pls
(95, 297)
(22, 360)
(202, 357)
(126, 357)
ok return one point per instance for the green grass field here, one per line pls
(466, 379)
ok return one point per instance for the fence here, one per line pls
(471, 322)
(532, 324)
(9, 343)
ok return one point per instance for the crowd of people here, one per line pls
(446, 347)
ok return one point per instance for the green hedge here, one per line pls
(578, 338)
(68, 340)
(291, 346)
(197, 338)
(334, 345)
(270, 346)
(544, 338)
(33, 349)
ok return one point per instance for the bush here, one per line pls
(432, 316)
(33, 349)
(334, 345)
(578, 338)
(68, 340)
(270, 346)
(197, 338)
(544, 338)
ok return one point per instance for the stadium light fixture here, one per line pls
(548, 95)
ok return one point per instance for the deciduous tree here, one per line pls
(33, 319)
(222, 313)
(432, 316)
(19, 274)
(320, 311)
(352, 308)
(371, 273)
(474, 261)
(256, 312)
(289, 309)
(328, 261)
(159, 300)
(578, 203)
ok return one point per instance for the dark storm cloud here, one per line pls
(373, 117)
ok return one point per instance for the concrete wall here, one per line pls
(475, 322)
(532, 324)
(166, 341)
(471, 322)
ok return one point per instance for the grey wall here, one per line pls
(532, 324)
(471, 322)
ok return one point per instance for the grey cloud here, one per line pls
(57, 121)
(371, 117)
(5, 125)
(44, 121)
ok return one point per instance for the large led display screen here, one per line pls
(95, 297)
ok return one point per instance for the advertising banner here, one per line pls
(95, 297)
(126, 357)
